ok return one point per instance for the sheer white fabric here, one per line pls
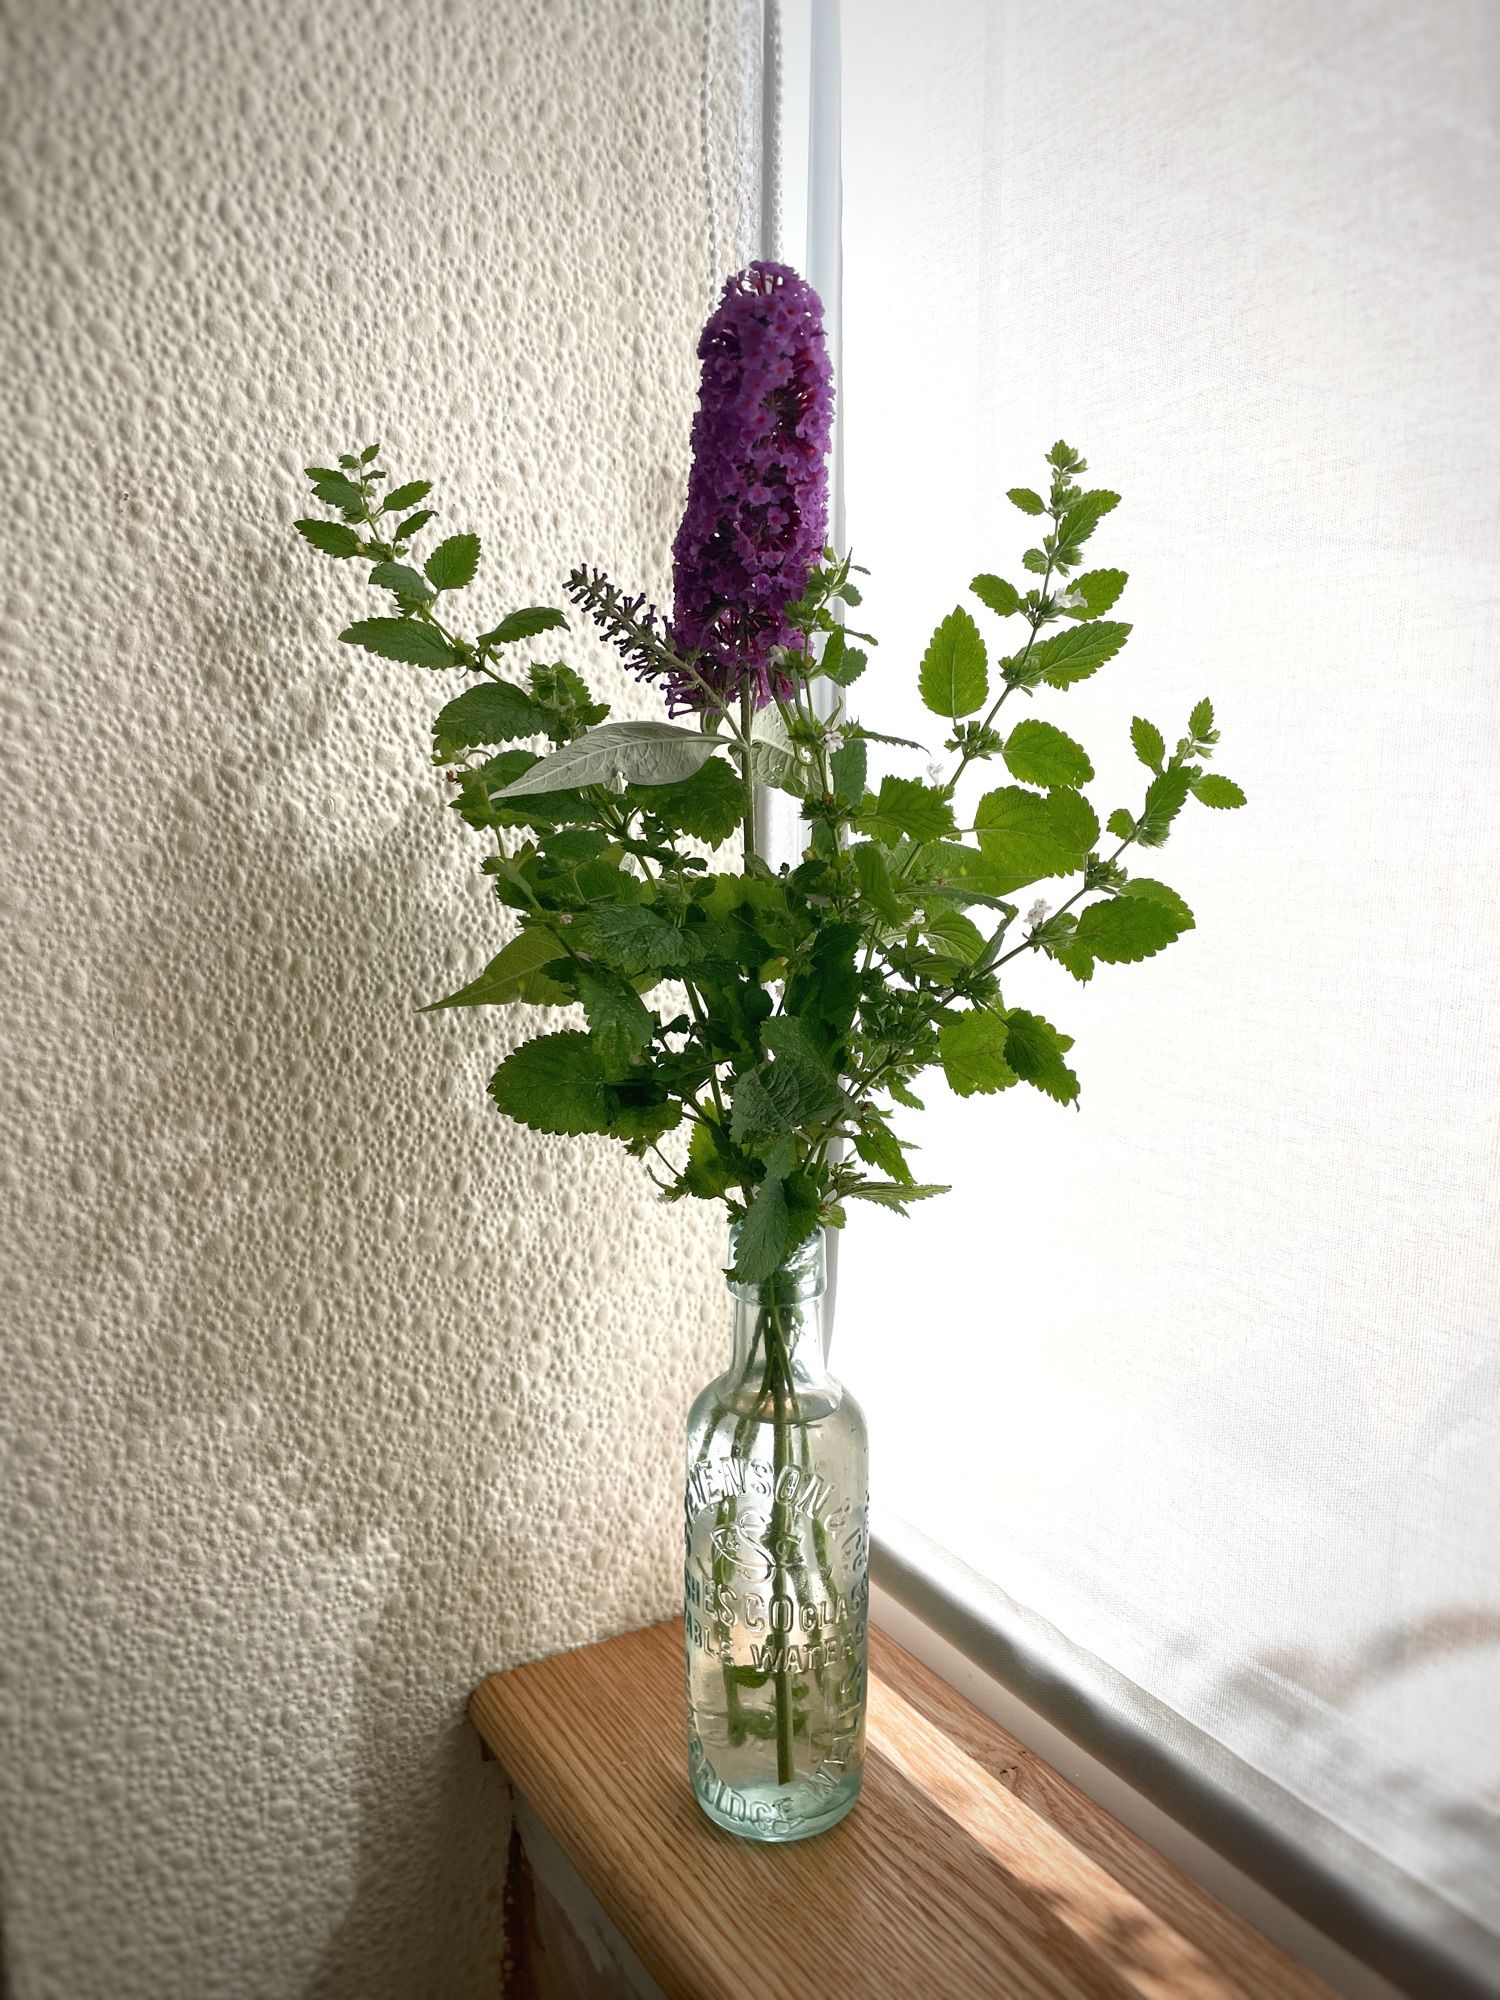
(1208, 1375)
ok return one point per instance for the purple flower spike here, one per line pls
(757, 500)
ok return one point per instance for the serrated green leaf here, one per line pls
(1146, 741)
(555, 1083)
(1035, 1050)
(642, 753)
(408, 639)
(404, 530)
(1124, 929)
(336, 491)
(1201, 721)
(1036, 561)
(1158, 892)
(524, 624)
(620, 1022)
(878, 1146)
(848, 766)
(1166, 795)
(781, 1215)
(333, 538)
(875, 884)
(493, 712)
(713, 1166)
(453, 562)
(1220, 792)
(907, 806)
(709, 805)
(794, 1090)
(1026, 837)
(401, 578)
(954, 677)
(1080, 517)
(1038, 754)
(406, 496)
(1099, 589)
(894, 1194)
(1073, 655)
(971, 1050)
(1120, 823)
(953, 934)
(999, 596)
(1026, 500)
(510, 976)
(636, 939)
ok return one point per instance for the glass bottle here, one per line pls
(777, 1581)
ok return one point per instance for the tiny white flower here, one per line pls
(1069, 600)
(1037, 914)
(934, 774)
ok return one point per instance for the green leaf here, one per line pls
(1158, 892)
(1082, 515)
(493, 712)
(782, 1214)
(404, 530)
(954, 676)
(1035, 1050)
(406, 496)
(642, 753)
(1026, 500)
(894, 1194)
(875, 884)
(1038, 754)
(480, 804)
(949, 931)
(636, 939)
(1165, 797)
(1146, 741)
(453, 562)
(1072, 656)
(1200, 722)
(847, 766)
(524, 624)
(999, 596)
(1120, 824)
(336, 491)
(796, 1089)
(554, 1084)
(906, 805)
(408, 639)
(1026, 837)
(1122, 931)
(620, 1022)
(332, 537)
(972, 1052)
(878, 1146)
(713, 1168)
(1099, 589)
(405, 581)
(1217, 791)
(709, 805)
(506, 978)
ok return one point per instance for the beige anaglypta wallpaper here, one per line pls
(324, 1390)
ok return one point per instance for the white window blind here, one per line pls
(1206, 1376)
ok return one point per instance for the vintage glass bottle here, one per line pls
(777, 1581)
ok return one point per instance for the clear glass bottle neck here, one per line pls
(778, 1322)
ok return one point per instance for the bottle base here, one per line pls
(776, 1814)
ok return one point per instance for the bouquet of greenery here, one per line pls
(777, 1019)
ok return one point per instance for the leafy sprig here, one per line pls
(753, 1036)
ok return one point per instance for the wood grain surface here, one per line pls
(967, 1869)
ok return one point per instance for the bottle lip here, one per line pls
(804, 1275)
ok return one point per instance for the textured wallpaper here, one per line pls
(324, 1389)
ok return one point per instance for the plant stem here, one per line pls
(781, 1458)
(746, 719)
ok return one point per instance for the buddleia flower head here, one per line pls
(757, 500)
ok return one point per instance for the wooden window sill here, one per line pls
(968, 1868)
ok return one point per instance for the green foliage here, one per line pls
(491, 712)
(402, 639)
(954, 674)
(796, 1008)
(972, 1049)
(1038, 754)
